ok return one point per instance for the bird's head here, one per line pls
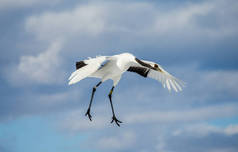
(157, 67)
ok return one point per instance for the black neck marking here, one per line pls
(144, 64)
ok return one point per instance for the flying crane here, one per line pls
(112, 67)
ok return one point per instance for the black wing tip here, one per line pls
(80, 64)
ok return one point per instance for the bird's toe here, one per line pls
(88, 114)
(116, 121)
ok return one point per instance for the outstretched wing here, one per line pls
(166, 79)
(85, 68)
(160, 75)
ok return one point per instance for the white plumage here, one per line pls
(118, 64)
(93, 65)
(112, 67)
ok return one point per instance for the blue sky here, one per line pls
(194, 40)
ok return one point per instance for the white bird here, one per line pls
(112, 67)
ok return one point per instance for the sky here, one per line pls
(196, 41)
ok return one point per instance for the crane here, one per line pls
(112, 67)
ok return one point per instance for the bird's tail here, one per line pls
(91, 66)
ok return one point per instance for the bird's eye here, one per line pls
(156, 66)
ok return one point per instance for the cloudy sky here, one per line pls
(196, 41)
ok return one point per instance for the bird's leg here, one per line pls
(91, 100)
(113, 117)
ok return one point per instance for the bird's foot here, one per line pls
(116, 120)
(88, 114)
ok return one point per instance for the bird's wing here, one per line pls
(166, 79)
(85, 68)
(161, 75)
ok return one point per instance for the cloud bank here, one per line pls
(195, 41)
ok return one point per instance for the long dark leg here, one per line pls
(91, 100)
(113, 117)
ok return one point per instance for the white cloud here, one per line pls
(231, 130)
(83, 20)
(211, 86)
(185, 115)
(54, 99)
(224, 81)
(74, 122)
(43, 68)
(123, 141)
(198, 130)
(202, 129)
(181, 18)
(195, 19)
(190, 137)
(92, 19)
